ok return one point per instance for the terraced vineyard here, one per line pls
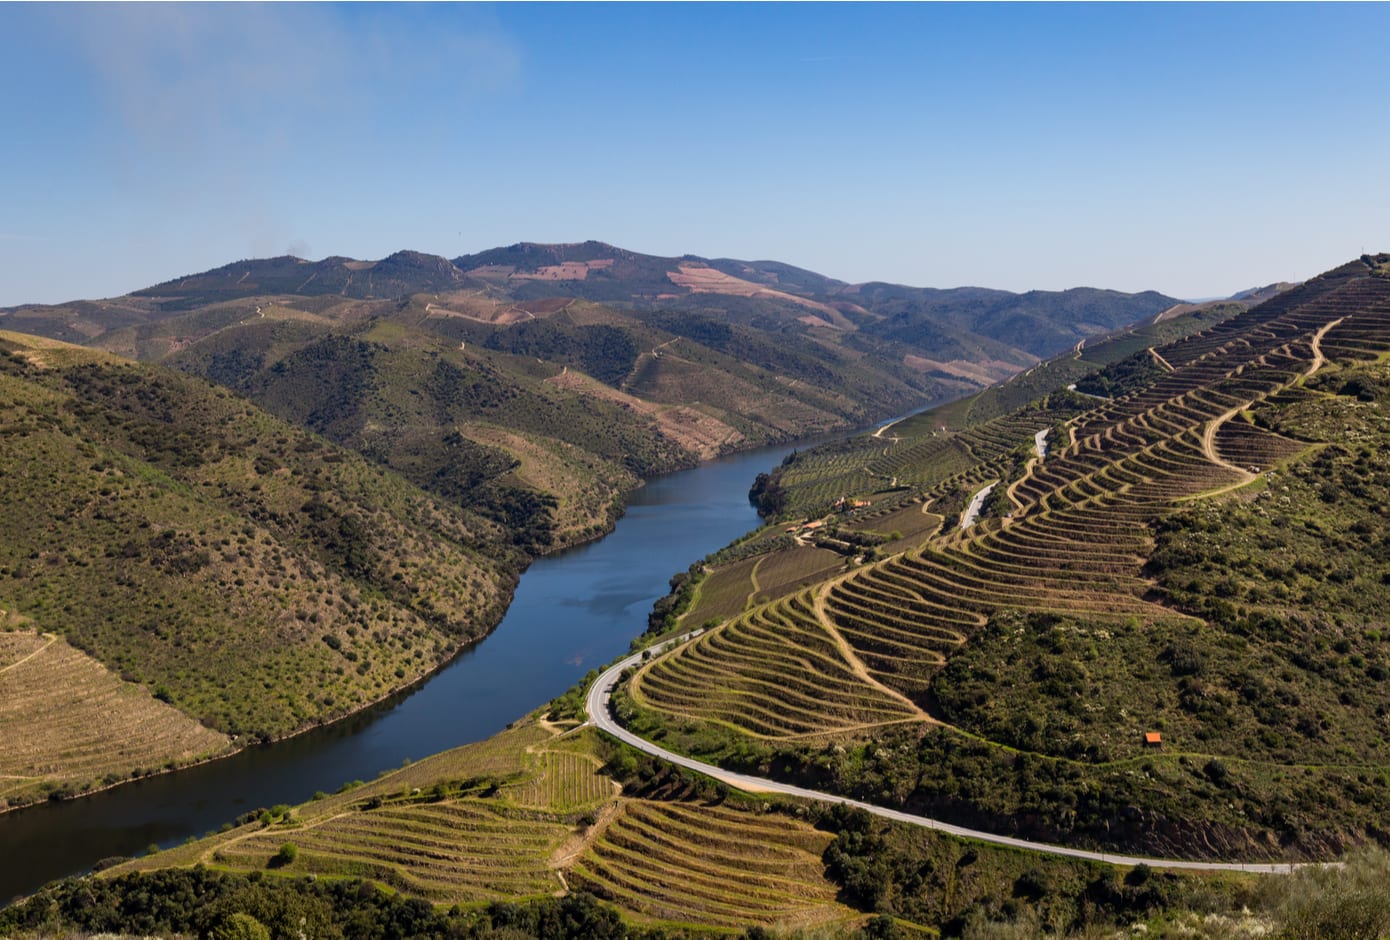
(454, 851)
(775, 673)
(567, 780)
(1202, 555)
(459, 827)
(1066, 542)
(531, 813)
(924, 449)
(60, 711)
(713, 866)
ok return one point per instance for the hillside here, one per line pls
(938, 325)
(1000, 613)
(184, 574)
(548, 831)
(539, 384)
(484, 834)
(1180, 555)
(527, 412)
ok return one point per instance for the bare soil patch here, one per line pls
(986, 373)
(705, 280)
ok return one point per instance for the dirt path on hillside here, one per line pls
(879, 432)
(1012, 491)
(753, 580)
(1160, 360)
(856, 665)
(1209, 432)
(20, 662)
(568, 851)
(1316, 345)
(1209, 442)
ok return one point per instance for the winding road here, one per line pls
(972, 512)
(601, 717)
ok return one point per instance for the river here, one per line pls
(572, 612)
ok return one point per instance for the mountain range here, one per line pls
(540, 383)
(477, 412)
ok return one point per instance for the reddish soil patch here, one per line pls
(701, 279)
(985, 373)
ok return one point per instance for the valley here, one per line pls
(538, 385)
(571, 612)
(413, 450)
(986, 614)
(634, 471)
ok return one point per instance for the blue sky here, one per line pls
(1194, 149)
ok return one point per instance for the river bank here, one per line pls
(571, 611)
(470, 629)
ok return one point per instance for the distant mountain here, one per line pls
(537, 384)
(764, 294)
(769, 294)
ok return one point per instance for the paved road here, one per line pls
(600, 717)
(972, 512)
(1072, 388)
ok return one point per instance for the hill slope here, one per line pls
(1032, 639)
(1192, 551)
(538, 384)
(204, 555)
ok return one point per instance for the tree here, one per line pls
(239, 927)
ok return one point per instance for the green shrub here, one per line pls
(286, 856)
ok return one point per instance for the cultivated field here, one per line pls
(776, 672)
(712, 866)
(1008, 633)
(725, 592)
(528, 813)
(68, 724)
(787, 570)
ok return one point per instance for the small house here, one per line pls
(1153, 739)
